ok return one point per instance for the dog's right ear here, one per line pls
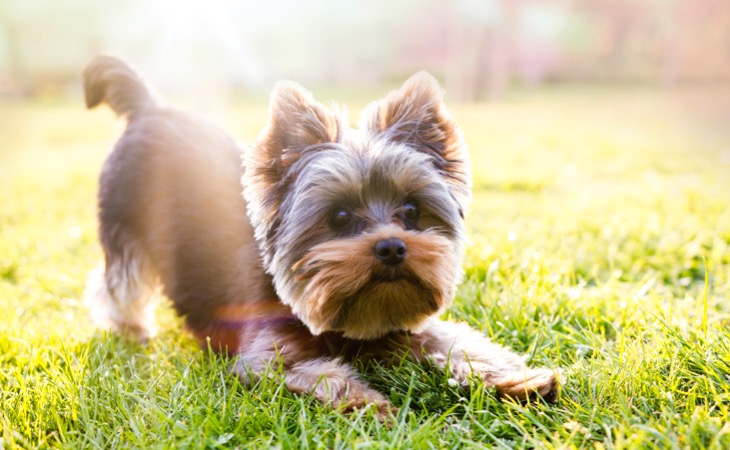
(297, 124)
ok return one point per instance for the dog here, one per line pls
(316, 244)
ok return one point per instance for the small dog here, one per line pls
(345, 243)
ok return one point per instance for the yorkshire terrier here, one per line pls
(346, 243)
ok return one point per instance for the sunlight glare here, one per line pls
(196, 46)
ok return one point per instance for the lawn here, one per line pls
(600, 244)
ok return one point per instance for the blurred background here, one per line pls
(480, 49)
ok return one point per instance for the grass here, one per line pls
(600, 235)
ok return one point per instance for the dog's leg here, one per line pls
(329, 380)
(307, 368)
(466, 351)
(122, 295)
(334, 382)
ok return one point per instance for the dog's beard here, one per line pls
(343, 287)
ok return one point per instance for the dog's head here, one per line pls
(362, 230)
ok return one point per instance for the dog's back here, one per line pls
(170, 209)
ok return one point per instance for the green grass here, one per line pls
(600, 233)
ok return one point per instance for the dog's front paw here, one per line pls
(335, 384)
(359, 397)
(525, 384)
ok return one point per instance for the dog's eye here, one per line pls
(410, 211)
(340, 218)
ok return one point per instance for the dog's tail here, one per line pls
(108, 79)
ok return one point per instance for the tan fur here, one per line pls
(338, 272)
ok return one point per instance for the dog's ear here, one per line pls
(415, 114)
(297, 124)
(296, 121)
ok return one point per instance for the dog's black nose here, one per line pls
(391, 251)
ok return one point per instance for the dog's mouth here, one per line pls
(391, 275)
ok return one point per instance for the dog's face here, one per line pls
(362, 230)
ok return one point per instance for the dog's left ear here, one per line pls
(415, 114)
